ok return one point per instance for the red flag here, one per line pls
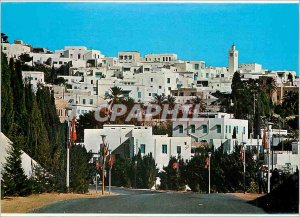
(98, 165)
(206, 165)
(73, 135)
(242, 154)
(175, 165)
(111, 160)
(264, 139)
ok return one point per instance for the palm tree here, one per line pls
(197, 100)
(171, 101)
(159, 99)
(115, 96)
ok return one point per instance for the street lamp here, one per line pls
(103, 161)
(109, 176)
(269, 148)
(244, 164)
(209, 155)
(135, 163)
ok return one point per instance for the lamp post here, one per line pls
(209, 155)
(244, 164)
(103, 161)
(269, 157)
(109, 176)
(135, 166)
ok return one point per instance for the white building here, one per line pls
(16, 49)
(213, 128)
(34, 78)
(163, 58)
(129, 56)
(233, 60)
(128, 140)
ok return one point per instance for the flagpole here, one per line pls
(244, 167)
(68, 159)
(209, 154)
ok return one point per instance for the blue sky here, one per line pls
(263, 33)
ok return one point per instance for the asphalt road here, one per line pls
(154, 202)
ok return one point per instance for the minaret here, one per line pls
(233, 60)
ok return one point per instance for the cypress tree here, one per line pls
(7, 112)
(14, 181)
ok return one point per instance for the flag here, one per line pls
(264, 139)
(111, 160)
(242, 153)
(175, 165)
(98, 165)
(73, 135)
(206, 165)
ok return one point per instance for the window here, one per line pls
(180, 127)
(244, 130)
(178, 149)
(146, 69)
(83, 101)
(121, 57)
(204, 127)
(163, 58)
(169, 88)
(229, 129)
(226, 129)
(151, 79)
(91, 101)
(196, 66)
(164, 149)
(60, 62)
(207, 75)
(168, 80)
(159, 87)
(5, 48)
(139, 95)
(92, 81)
(149, 94)
(142, 148)
(218, 128)
(193, 128)
(237, 129)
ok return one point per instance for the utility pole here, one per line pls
(68, 158)
(109, 177)
(103, 161)
(209, 154)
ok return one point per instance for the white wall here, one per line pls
(27, 162)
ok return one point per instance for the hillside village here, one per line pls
(82, 80)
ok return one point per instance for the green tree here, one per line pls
(7, 111)
(79, 168)
(14, 181)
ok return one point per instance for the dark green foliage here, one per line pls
(122, 173)
(137, 172)
(4, 38)
(283, 199)
(14, 181)
(172, 177)
(24, 58)
(7, 111)
(146, 171)
(79, 168)
(162, 129)
(87, 121)
(32, 119)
